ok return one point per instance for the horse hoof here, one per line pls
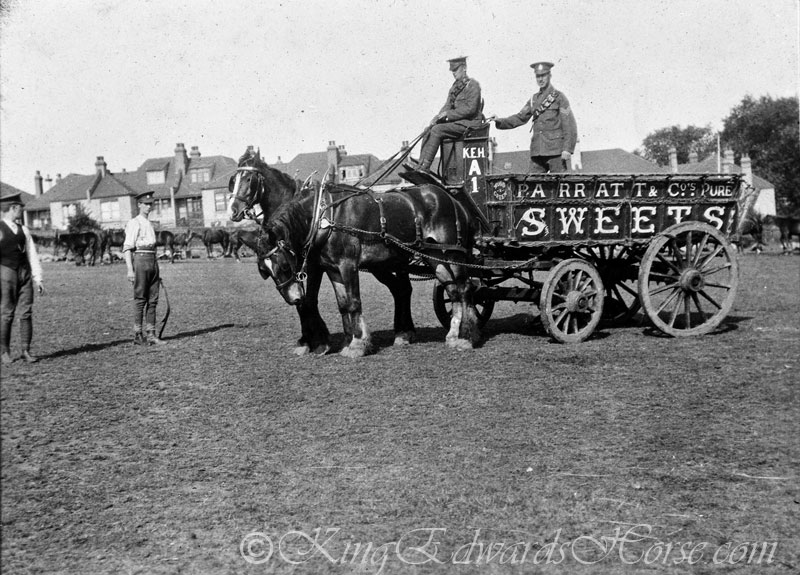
(360, 349)
(321, 349)
(459, 344)
(404, 338)
(301, 350)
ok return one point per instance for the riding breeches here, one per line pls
(16, 299)
(145, 290)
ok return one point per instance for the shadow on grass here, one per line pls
(728, 325)
(89, 347)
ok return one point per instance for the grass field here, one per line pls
(225, 453)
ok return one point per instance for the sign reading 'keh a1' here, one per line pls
(557, 208)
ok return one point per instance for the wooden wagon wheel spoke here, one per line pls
(700, 249)
(443, 305)
(627, 288)
(706, 269)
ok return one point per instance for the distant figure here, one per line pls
(555, 131)
(19, 271)
(461, 111)
(140, 256)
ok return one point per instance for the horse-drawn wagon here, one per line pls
(585, 248)
(607, 244)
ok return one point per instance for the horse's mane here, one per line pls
(291, 222)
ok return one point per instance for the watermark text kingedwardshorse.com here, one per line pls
(630, 545)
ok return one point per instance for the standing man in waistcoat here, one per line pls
(461, 111)
(19, 271)
(555, 131)
(139, 249)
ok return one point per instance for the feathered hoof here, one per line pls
(404, 338)
(302, 350)
(357, 348)
(459, 344)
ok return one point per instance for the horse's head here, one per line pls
(280, 261)
(246, 185)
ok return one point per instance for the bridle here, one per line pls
(298, 276)
(256, 197)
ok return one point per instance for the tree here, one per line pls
(767, 130)
(655, 147)
(82, 221)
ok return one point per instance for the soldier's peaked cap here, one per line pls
(456, 62)
(542, 67)
(145, 197)
(12, 199)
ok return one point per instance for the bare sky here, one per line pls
(128, 79)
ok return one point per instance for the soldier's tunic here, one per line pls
(140, 238)
(554, 128)
(463, 109)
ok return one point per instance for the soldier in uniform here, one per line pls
(19, 271)
(555, 131)
(139, 249)
(461, 111)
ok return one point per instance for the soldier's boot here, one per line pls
(138, 338)
(28, 357)
(152, 339)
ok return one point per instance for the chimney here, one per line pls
(673, 160)
(279, 160)
(37, 184)
(342, 151)
(195, 155)
(333, 158)
(49, 181)
(181, 159)
(727, 161)
(693, 156)
(58, 178)
(747, 169)
(101, 167)
(404, 146)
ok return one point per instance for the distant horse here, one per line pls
(751, 225)
(211, 236)
(238, 238)
(257, 191)
(358, 229)
(79, 243)
(183, 239)
(788, 227)
(166, 239)
(112, 238)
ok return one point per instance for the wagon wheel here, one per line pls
(617, 266)
(688, 279)
(443, 305)
(571, 303)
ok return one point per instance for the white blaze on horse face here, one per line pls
(234, 194)
(268, 265)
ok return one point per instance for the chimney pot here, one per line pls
(673, 160)
(101, 167)
(37, 184)
(181, 159)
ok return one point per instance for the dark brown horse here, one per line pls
(257, 191)
(80, 244)
(183, 239)
(211, 236)
(382, 233)
(238, 238)
(788, 227)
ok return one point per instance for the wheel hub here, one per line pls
(577, 302)
(692, 280)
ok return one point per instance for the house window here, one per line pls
(161, 207)
(109, 211)
(203, 175)
(352, 173)
(190, 208)
(157, 177)
(221, 201)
